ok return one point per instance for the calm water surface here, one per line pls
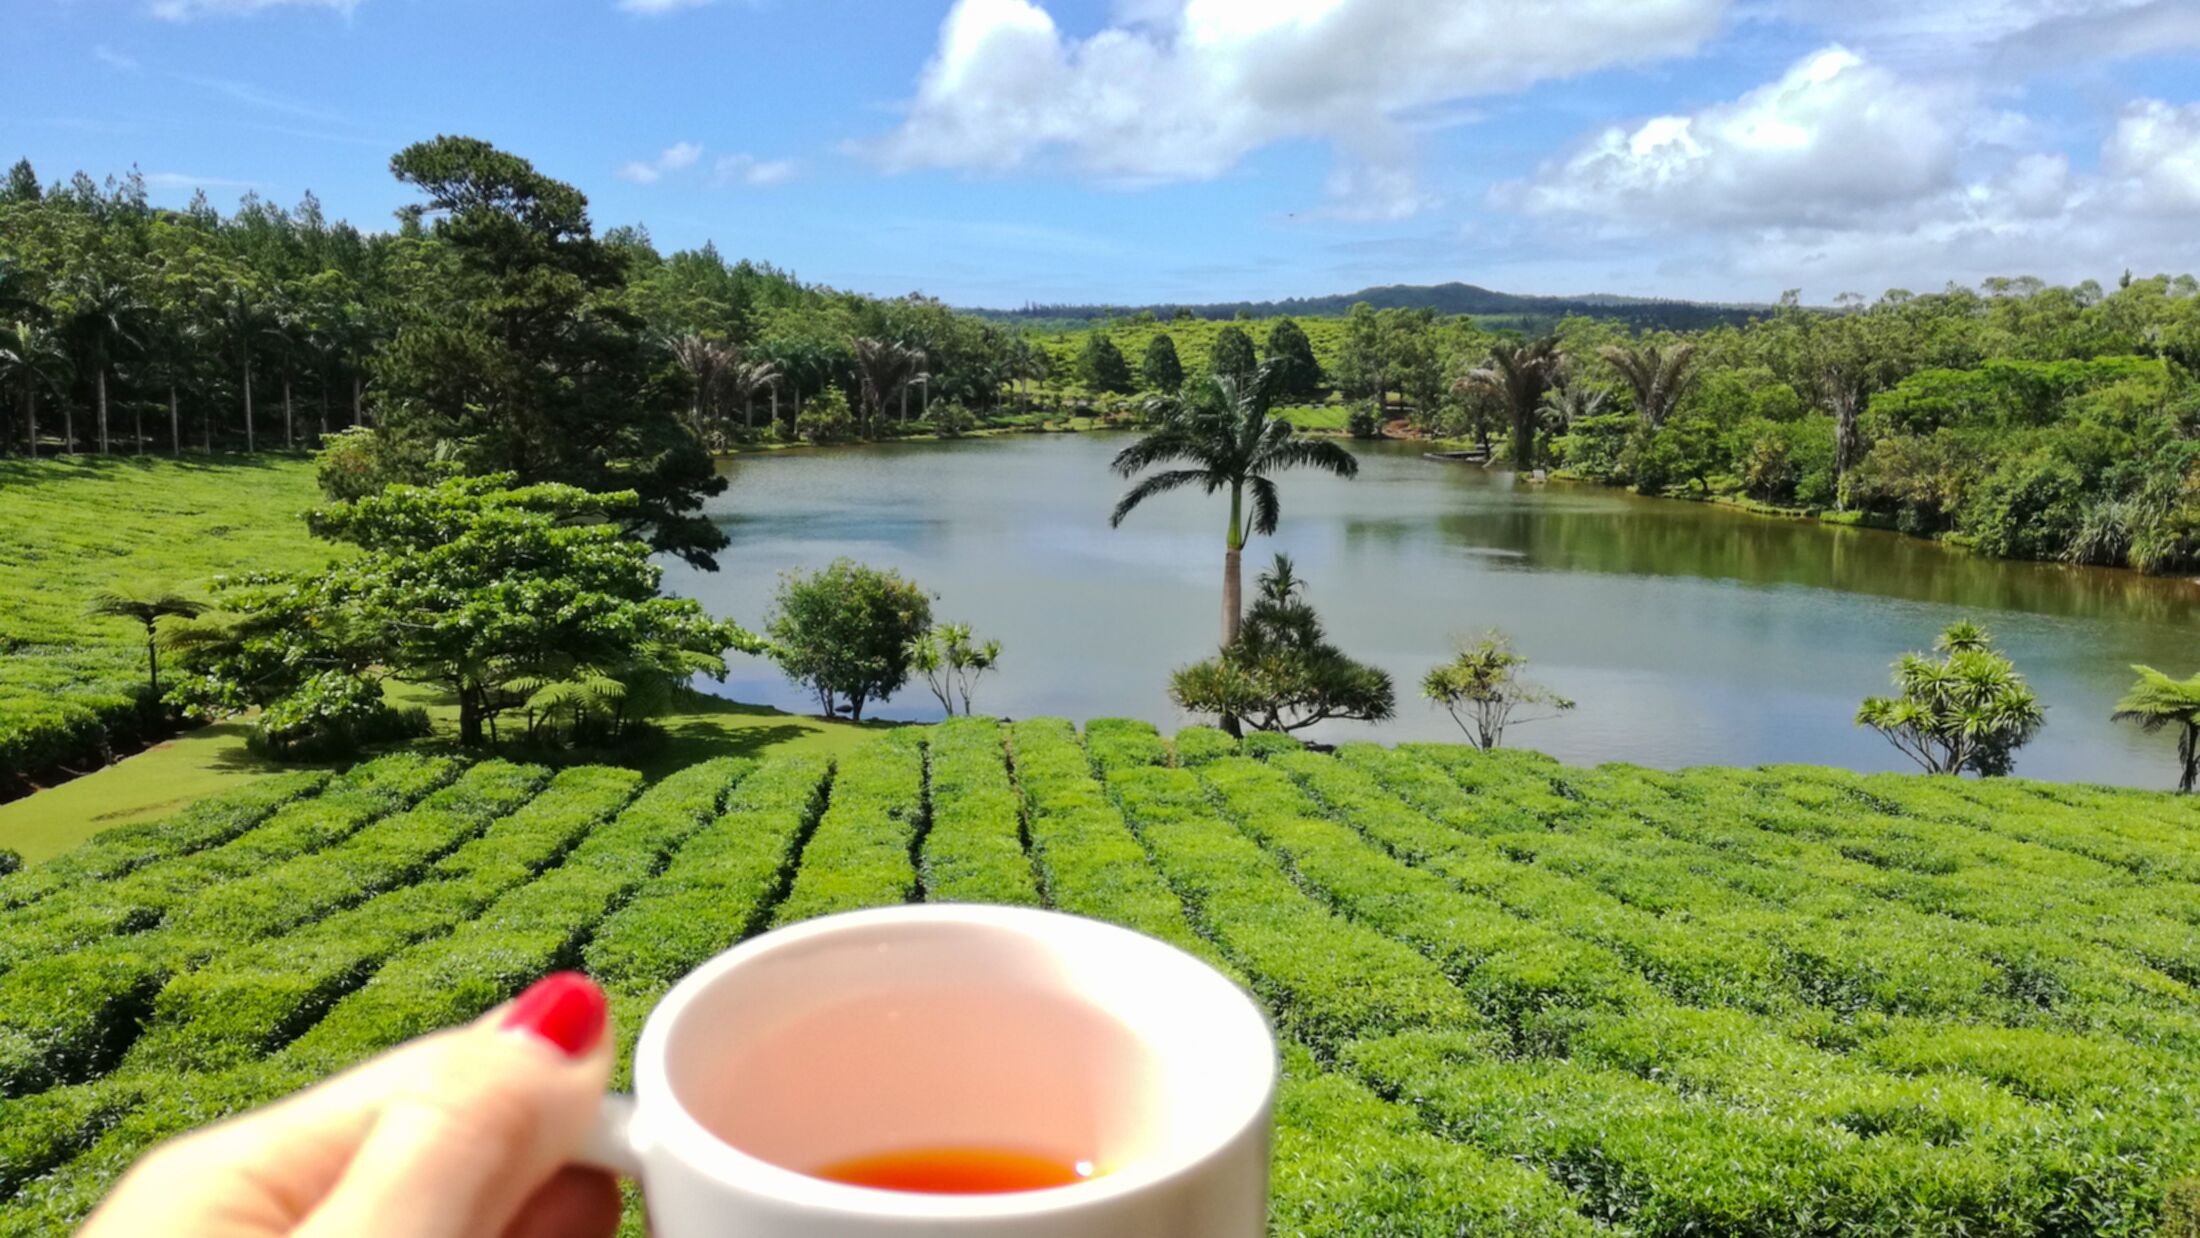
(1689, 634)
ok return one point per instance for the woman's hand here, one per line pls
(463, 1134)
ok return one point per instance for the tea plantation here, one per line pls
(1515, 997)
(72, 688)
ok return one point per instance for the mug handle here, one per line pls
(610, 1143)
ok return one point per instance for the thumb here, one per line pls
(479, 1118)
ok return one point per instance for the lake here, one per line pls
(1690, 634)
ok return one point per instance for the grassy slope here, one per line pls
(70, 527)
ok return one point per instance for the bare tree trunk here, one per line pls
(251, 440)
(137, 426)
(30, 407)
(175, 424)
(290, 434)
(68, 427)
(322, 433)
(103, 444)
(357, 395)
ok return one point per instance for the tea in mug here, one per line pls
(957, 1171)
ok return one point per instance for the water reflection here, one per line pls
(1691, 633)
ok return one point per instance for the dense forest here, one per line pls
(2024, 419)
(548, 348)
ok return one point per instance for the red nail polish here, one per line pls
(566, 1009)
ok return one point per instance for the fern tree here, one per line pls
(146, 606)
(2156, 703)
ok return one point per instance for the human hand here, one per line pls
(462, 1134)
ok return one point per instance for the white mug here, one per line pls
(949, 1026)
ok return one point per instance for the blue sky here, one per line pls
(998, 151)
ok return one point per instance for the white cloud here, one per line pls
(1833, 138)
(1183, 89)
(1842, 174)
(113, 59)
(2155, 152)
(753, 172)
(185, 10)
(2027, 33)
(678, 157)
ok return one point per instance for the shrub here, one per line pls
(1200, 744)
(974, 851)
(859, 856)
(719, 886)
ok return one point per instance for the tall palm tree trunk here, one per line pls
(358, 386)
(251, 440)
(137, 426)
(175, 424)
(290, 431)
(68, 427)
(30, 412)
(322, 433)
(102, 384)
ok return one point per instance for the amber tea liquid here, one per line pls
(957, 1171)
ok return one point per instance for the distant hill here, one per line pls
(1452, 298)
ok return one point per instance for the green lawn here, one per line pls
(68, 527)
(1513, 997)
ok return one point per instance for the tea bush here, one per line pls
(1513, 997)
(73, 689)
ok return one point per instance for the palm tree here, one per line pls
(886, 368)
(1574, 403)
(1659, 377)
(31, 356)
(1222, 428)
(243, 320)
(2157, 701)
(104, 315)
(704, 360)
(147, 605)
(1517, 375)
(742, 380)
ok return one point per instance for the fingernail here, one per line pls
(565, 1009)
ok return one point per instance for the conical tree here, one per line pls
(2157, 702)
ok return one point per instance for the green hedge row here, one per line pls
(251, 999)
(719, 886)
(204, 824)
(1326, 978)
(1347, 1163)
(45, 1130)
(862, 852)
(92, 909)
(1088, 860)
(1121, 743)
(394, 853)
(1195, 746)
(1512, 968)
(1671, 1164)
(527, 933)
(41, 733)
(974, 852)
(58, 1202)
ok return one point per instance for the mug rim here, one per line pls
(666, 1124)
